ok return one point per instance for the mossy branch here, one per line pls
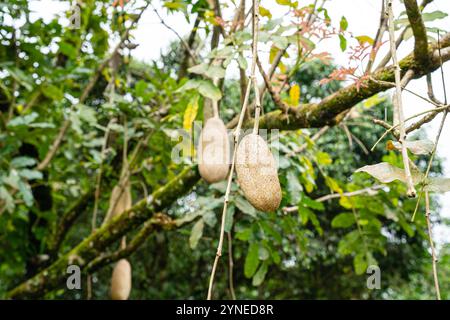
(94, 245)
(419, 31)
(323, 113)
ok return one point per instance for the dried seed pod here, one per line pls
(121, 280)
(214, 151)
(257, 173)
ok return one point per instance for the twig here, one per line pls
(433, 251)
(378, 38)
(400, 39)
(315, 137)
(369, 191)
(236, 135)
(409, 118)
(438, 136)
(183, 42)
(403, 86)
(99, 175)
(275, 95)
(398, 105)
(230, 266)
(430, 90)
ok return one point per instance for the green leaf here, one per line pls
(52, 92)
(280, 42)
(21, 77)
(140, 88)
(30, 174)
(260, 275)
(209, 90)
(210, 218)
(189, 85)
(87, 114)
(251, 260)
(25, 191)
(342, 42)
(323, 158)
(196, 233)
(310, 203)
(435, 15)
(215, 72)
(349, 243)
(199, 69)
(68, 49)
(7, 198)
(360, 263)
(294, 187)
(245, 206)
(23, 120)
(263, 253)
(244, 234)
(343, 220)
(20, 162)
(229, 218)
(343, 23)
(242, 62)
(270, 230)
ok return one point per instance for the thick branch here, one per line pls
(91, 247)
(324, 112)
(158, 221)
(419, 31)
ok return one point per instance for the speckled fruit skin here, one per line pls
(214, 151)
(121, 280)
(257, 173)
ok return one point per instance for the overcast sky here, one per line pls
(363, 17)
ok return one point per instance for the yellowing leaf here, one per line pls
(19, 108)
(373, 101)
(364, 39)
(190, 113)
(294, 95)
(345, 202)
(265, 12)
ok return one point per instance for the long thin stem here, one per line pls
(433, 251)
(236, 135)
(230, 266)
(398, 105)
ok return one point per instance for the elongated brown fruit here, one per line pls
(119, 201)
(214, 151)
(257, 173)
(121, 280)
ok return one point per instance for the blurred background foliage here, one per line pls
(321, 250)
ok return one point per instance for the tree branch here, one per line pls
(419, 31)
(92, 246)
(324, 113)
